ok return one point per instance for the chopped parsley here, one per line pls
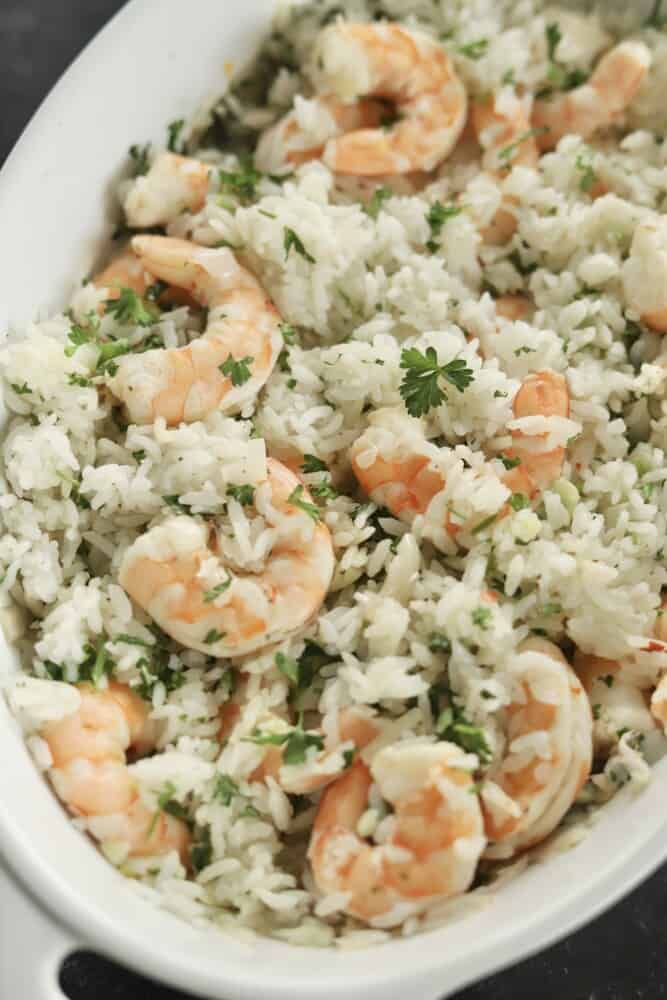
(421, 387)
(81, 380)
(139, 456)
(486, 523)
(237, 370)
(173, 500)
(140, 156)
(507, 153)
(453, 726)
(437, 215)
(241, 183)
(516, 260)
(21, 390)
(201, 850)
(225, 789)
(474, 50)
(588, 175)
(508, 77)
(552, 609)
(213, 636)
(292, 240)
(311, 463)
(380, 195)
(132, 640)
(174, 130)
(656, 18)
(245, 495)
(481, 617)
(324, 491)
(288, 333)
(553, 36)
(646, 490)
(519, 501)
(296, 500)
(608, 679)
(215, 592)
(439, 643)
(523, 350)
(129, 309)
(288, 667)
(597, 711)
(82, 334)
(296, 742)
(509, 463)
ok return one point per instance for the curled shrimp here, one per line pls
(355, 730)
(645, 274)
(288, 144)
(507, 140)
(173, 184)
(617, 703)
(399, 469)
(187, 383)
(126, 270)
(548, 750)
(354, 62)
(598, 103)
(435, 835)
(166, 571)
(90, 775)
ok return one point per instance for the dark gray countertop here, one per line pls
(621, 956)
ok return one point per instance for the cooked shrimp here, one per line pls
(126, 270)
(290, 142)
(164, 572)
(173, 184)
(507, 140)
(355, 731)
(187, 383)
(598, 103)
(399, 469)
(90, 774)
(354, 61)
(435, 838)
(548, 751)
(617, 704)
(645, 274)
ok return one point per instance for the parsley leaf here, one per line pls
(289, 667)
(213, 636)
(656, 18)
(201, 850)
(225, 789)
(129, 309)
(509, 463)
(475, 50)
(554, 36)
(241, 183)
(453, 726)
(214, 592)
(245, 495)
(295, 741)
(324, 491)
(311, 463)
(481, 618)
(437, 215)
(21, 390)
(174, 130)
(288, 333)
(292, 240)
(588, 175)
(519, 501)
(80, 334)
(509, 152)
(421, 389)
(73, 379)
(380, 195)
(140, 156)
(237, 370)
(296, 500)
(439, 643)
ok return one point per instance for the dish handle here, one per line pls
(32, 946)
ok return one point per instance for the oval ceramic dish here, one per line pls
(154, 62)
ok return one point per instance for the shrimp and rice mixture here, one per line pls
(334, 507)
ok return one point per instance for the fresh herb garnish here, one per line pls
(519, 501)
(311, 463)
(437, 215)
(481, 617)
(201, 850)
(241, 183)
(588, 175)
(288, 333)
(296, 742)
(245, 494)
(475, 50)
(21, 390)
(509, 463)
(289, 667)
(225, 789)
(140, 156)
(213, 636)
(215, 592)
(553, 36)
(380, 195)
(129, 309)
(421, 387)
(237, 370)
(296, 500)
(453, 726)
(82, 381)
(439, 643)
(292, 240)
(508, 153)
(174, 130)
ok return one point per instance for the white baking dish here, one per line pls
(155, 62)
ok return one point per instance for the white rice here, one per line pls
(78, 486)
